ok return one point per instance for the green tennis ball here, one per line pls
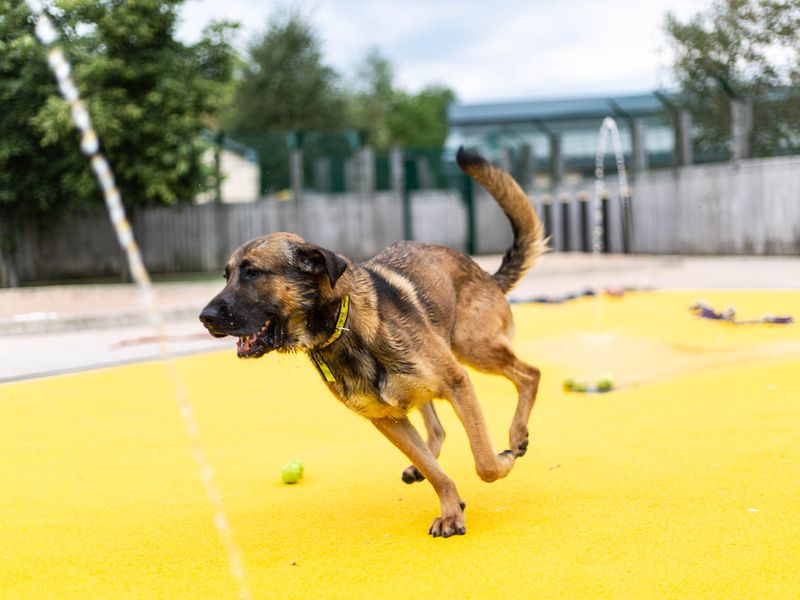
(606, 384)
(292, 471)
(568, 383)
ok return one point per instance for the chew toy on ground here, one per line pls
(577, 384)
(292, 471)
(557, 299)
(617, 292)
(704, 311)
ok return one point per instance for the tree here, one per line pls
(371, 100)
(31, 173)
(150, 98)
(420, 120)
(393, 117)
(741, 49)
(286, 85)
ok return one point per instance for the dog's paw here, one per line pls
(521, 448)
(412, 474)
(519, 442)
(451, 524)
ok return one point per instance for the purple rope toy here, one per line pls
(704, 311)
(588, 292)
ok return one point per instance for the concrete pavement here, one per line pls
(46, 330)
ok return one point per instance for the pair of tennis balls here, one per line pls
(576, 384)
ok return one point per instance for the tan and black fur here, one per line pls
(417, 312)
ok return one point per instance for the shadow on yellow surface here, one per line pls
(686, 483)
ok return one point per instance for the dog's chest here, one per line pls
(374, 389)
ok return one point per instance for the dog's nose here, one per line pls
(210, 314)
(213, 316)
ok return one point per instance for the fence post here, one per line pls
(547, 214)
(398, 179)
(295, 142)
(683, 139)
(556, 159)
(639, 146)
(525, 167)
(627, 221)
(586, 232)
(365, 172)
(469, 201)
(219, 140)
(507, 159)
(565, 222)
(9, 275)
(741, 129)
(606, 222)
(220, 233)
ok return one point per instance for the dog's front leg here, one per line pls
(403, 435)
(435, 438)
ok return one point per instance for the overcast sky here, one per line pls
(484, 49)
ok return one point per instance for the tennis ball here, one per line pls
(292, 471)
(568, 384)
(606, 384)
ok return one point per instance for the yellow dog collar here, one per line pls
(344, 312)
(341, 321)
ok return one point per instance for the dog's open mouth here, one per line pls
(266, 339)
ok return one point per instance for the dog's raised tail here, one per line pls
(529, 241)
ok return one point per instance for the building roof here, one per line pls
(554, 110)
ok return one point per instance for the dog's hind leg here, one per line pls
(482, 339)
(460, 393)
(525, 378)
(500, 359)
(403, 435)
(435, 439)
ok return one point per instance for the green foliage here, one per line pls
(26, 167)
(286, 86)
(393, 117)
(746, 49)
(287, 89)
(217, 63)
(420, 120)
(150, 98)
(371, 101)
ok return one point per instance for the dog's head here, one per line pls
(274, 285)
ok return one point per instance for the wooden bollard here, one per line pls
(586, 232)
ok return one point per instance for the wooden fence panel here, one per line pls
(745, 207)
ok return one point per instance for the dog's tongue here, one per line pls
(245, 344)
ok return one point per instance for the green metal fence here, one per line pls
(328, 161)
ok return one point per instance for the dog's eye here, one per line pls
(252, 272)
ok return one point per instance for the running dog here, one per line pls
(387, 335)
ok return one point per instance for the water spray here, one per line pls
(609, 126)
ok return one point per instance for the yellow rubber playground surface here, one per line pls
(683, 483)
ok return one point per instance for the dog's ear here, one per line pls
(317, 260)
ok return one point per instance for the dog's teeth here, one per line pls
(246, 342)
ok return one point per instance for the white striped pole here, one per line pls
(90, 146)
